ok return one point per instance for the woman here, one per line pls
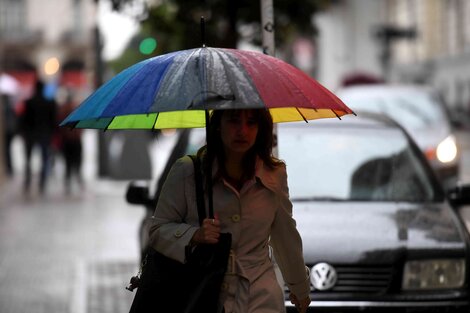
(251, 202)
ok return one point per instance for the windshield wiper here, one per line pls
(324, 198)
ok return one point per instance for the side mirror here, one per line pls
(137, 194)
(459, 195)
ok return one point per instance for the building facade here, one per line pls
(409, 41)
(440, 54)
(49, 39)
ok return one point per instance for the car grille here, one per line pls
(361, 280)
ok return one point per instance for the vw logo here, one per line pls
(323, 276)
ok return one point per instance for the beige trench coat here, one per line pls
(258, 216)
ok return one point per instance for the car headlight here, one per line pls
(446, 151)
(434, 274)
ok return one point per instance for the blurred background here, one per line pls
(76, 45)
(71, 244)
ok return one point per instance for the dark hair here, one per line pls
(262, 147)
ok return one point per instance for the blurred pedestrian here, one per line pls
(39, 122)
(9, 129)
(251, 201)
(70, 143)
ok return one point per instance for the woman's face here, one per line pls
(238, 131)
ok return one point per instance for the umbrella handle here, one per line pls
(209, 171)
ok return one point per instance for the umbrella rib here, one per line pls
(73, 125)
(106, 128)
(155, 121)
(306, 121)
(336, 114)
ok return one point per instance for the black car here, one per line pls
(379, 232)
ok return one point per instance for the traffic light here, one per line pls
(147, 45)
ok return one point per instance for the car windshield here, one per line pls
(412, 109)
(352, 164)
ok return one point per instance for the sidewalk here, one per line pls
(67, 254)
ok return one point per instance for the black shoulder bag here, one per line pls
(166, 285)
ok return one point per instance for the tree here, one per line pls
(176, 23)
(228, 21)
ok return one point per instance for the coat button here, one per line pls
(224, 286)
(178, 234)
(235, 218)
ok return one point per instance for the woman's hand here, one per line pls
(300, 305)
(208, 233)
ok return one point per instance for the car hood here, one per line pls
(377, 233)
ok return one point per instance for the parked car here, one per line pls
(377, 227)
(421, 111)
(378, 230)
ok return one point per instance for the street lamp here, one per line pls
(51, 66)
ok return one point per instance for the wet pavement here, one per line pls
(63, 253)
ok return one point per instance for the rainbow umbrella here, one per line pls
(176, 90)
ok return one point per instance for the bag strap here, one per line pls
(201, 214)
(201, 207)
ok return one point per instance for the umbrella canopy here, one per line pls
(175, 90)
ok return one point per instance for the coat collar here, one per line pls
(266, 176)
